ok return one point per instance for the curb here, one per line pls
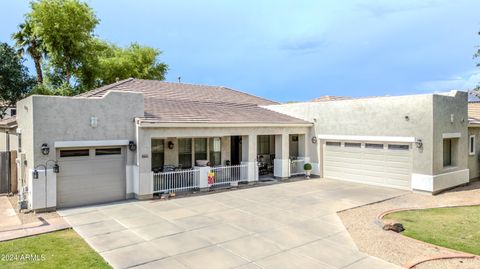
(457, 254)
(438, 257)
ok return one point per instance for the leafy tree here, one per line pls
(66, 29)
(27, 43)
(135, 61)
(15, 82)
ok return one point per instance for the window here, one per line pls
(108, 151)
(373, 146)
(215, 145)
(200, 149)
(397, 147)
(74, 153)
(333, 144)
(353, 145)
(447, 152)
(263, 146)
(185, 152)
(471, 146)
(158, 157)
(13, 112)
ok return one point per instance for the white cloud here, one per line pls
(466, 81)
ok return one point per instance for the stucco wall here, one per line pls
(13, 144)
(50, 119)
(450, 118)
(25, 127)
(474, 160)
(399, 116)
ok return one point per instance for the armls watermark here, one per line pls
(29, 257)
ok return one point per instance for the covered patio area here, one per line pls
(187, 159)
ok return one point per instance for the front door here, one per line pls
(235, 150)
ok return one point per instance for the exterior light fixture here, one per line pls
(93, 122)
(35, 174)
(132, 146)
(419, 143)
(45, 149)
(314, 140)
(56, 168)
(170, 145)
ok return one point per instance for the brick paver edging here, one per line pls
(456, 253)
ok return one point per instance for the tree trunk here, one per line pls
(38, 67)
(68, 75)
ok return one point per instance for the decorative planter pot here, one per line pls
(307, 173)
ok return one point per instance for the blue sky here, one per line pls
(298, 50)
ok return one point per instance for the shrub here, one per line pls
(307, 166)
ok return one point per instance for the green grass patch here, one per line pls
(62, 249)
(455, 228)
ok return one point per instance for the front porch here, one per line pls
(185, 164)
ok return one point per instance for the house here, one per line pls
(137, 138)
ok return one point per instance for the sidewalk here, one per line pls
(11, 226)
(8, 217)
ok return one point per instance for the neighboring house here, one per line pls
(126, 139)
(474, 134)
(8, 134)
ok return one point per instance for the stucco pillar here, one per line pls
(281, 162)
(302, 146)
(143, 189)
(225, 149)
(249, 157)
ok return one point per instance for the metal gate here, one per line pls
(4, 172)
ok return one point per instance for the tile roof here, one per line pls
(473, 96)
(474, 113)
(180, 102)
(8, 123)
(327, 98)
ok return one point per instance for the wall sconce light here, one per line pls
(419, 143)
(35, 174)
(45, 149)
(407, 118)
(56, 169)
(93, 122)
(170, 145)
(132, 146)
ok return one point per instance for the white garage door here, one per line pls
(90, 176)
(388, 164)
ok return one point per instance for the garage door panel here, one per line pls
(95, 179)
(375, 156)
(368, 165)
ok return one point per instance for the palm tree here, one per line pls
(27, 42)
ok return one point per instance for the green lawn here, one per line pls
(62, 249)
(455, 228)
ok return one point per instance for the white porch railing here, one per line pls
(226, 175)
(176, 181)
(296, 167)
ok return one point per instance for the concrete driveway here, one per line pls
(289, 225)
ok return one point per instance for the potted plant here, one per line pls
(308, 168)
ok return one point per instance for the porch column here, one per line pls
(282, 162)
(303, 148)
(249, 157)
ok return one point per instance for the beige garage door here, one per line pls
(388, 164)
(90, 176)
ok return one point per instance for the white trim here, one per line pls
(405, 139)
(470, 143)
(90, 143)
(143, 123)
(451, 135)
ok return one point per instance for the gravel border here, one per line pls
(363, 226)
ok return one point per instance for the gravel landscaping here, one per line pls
(396, 248)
